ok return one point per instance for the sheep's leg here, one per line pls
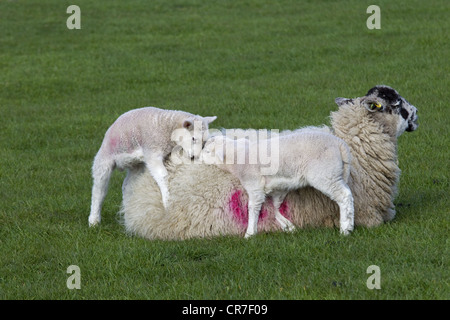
(285, 223)
(101, 173)
(255, 201)
(158, 171)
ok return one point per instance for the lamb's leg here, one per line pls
(101, 173)
(342, 194)
(155, 165)
(255, 201)
(347, 211)
(286, 224)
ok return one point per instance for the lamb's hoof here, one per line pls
(248, 235)
(289, 228)
(346, 231)
(93, 222)
(347, 227)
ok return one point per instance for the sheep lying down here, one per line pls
(207, 201)
(299, 159)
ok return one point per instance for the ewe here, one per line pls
(304, 158)
(207, 201)
(146, 135)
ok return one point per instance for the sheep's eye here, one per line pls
(374, 106)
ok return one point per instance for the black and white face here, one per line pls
(387, 100)
(388, 107)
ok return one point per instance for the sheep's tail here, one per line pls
(346, 158)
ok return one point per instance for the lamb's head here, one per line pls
(213, 151)
(385, 106)
(192, 134)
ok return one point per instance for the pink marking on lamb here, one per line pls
(113, 144)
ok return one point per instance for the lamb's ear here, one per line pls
(177, 136)
(210, 119)
(188, 124)
(342, 101)
(218, 153)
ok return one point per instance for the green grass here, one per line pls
(253, 64)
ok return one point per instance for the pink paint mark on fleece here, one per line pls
(284, 210)
(239, 208)
(240, 211)
(264, 213)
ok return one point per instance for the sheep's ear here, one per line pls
(210, 119)
(188, 124)
(342, 101)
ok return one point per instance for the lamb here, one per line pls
(304, 158)
(146, 135)
(207, 201)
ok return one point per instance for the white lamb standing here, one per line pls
(146, 135)
(207, 201)
(304, 158)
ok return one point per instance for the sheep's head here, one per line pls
(386, 106)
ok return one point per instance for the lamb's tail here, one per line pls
(346, 158)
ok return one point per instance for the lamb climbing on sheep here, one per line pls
(207, 201)
(146, 135)
(304, 158)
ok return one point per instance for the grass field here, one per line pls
(258, 64)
